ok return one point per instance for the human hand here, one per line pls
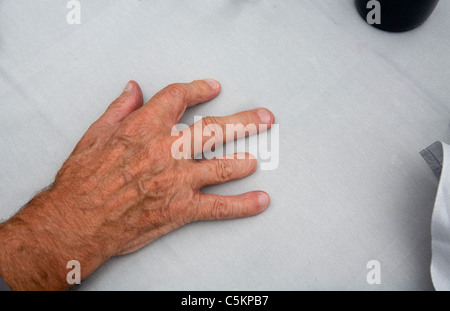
(121, 188)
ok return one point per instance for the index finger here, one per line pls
(171, 102)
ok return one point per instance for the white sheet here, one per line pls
(354, 104)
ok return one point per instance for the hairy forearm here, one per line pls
(36, 244)
(26, 260)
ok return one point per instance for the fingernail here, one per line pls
(129, 87)
(213, 83)
(251, 156)
(263, 200)
(264, 116)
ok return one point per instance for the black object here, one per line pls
(399, 15)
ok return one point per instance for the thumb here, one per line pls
(130, 100)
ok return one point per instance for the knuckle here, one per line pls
(176, 90)
(225, 169)
(220, 209)
(200, 88)
(211, 121)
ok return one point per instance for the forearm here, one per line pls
(35, 246)
(26, 262)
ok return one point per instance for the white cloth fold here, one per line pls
(438, 158)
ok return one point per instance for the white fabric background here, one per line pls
(355, 106)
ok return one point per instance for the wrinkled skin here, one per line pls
(121, 188)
